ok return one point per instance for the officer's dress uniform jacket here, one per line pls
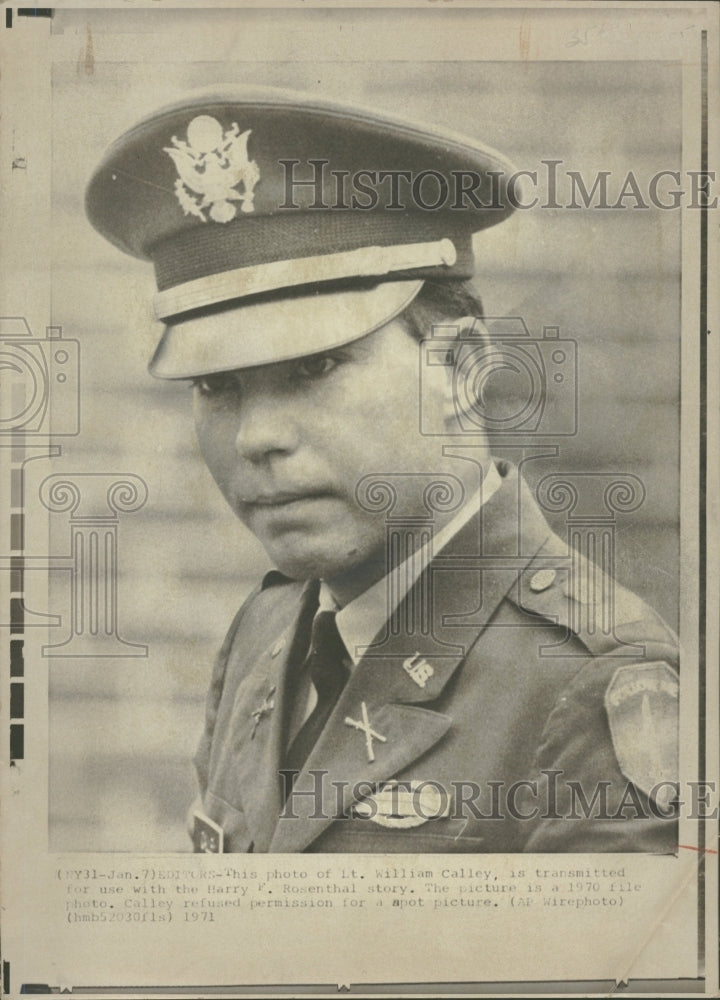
(520, 697)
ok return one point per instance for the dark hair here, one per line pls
(438, 302)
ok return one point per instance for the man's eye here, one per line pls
(316, 366)
(213, 385)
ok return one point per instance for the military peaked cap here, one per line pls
(280, 225)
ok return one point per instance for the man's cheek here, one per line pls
(222, 475)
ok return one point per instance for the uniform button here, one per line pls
(541, 580)
(278, 647)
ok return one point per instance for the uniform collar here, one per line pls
(361, 620)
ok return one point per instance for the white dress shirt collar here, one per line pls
(360, 621)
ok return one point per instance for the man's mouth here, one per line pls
(281, 498)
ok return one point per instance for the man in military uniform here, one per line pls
(424, 670)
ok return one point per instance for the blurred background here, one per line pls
(123, 730)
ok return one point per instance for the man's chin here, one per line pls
(306, 567)
(348, 567)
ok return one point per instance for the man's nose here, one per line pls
(266, 424)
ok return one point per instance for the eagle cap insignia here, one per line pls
(214, 170)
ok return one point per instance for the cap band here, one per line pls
(363, 262)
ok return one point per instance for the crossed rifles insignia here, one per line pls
(364, 727)
(262, 710)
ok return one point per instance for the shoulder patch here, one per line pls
(641, 702)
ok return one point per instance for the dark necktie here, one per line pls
(327, 665)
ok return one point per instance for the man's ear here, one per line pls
(469, 354)
(495, 381)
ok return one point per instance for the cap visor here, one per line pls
(247, 334)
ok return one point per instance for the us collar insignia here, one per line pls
(418, 669)
(211, 165)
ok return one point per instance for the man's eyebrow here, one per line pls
(361, 346)
(353, 348)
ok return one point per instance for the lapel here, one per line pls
(260, 740)
(466, 581)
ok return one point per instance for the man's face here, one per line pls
(287, 444)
